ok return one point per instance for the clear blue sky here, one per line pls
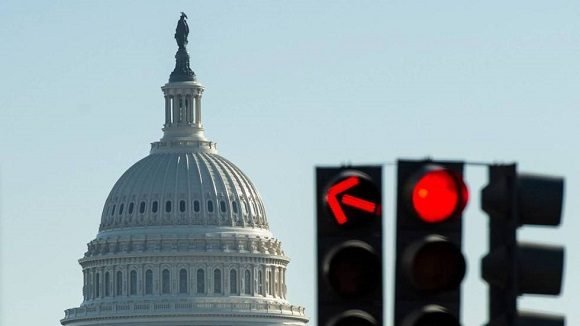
(289, 85)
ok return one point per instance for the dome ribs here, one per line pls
(127, 217)
(184, 178)
(210, 219)
(253, 197)
(233, 180)
(220, 195)
(241, 185)
(188, 195)
(157, 184)
(180, 187)
(197, 174)
(130, 187)
(135, 176)
(146, 196)
(168, 184)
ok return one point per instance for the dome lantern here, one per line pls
(183, 129)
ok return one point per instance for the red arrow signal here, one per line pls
(358, 203)
(349, 200)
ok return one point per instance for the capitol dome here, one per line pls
(184, 238)
(198, 189)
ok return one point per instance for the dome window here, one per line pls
(233, 281)
(183, 280)
(168, 206)
(165, 289)
(200, 281)
(196, 206)
(235, 207)
(210, 206)
(142, 207)
(113, 211)
(247, 282)
(131, 206)
(182, 206)
(133, 282)
(217, 281)
(121, 209)
(149, 282)
(107, 284)
(154, 207)
(119, 283)
(260, 286)
(97, 285)
(223, 206)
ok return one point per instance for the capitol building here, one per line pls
(184, 237)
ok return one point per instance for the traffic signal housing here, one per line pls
(349, 246)
(510, 268)
(431, 196)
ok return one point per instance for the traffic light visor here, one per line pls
(431, 315)
(353, 318)
(540, 199)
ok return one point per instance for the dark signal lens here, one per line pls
(353, 270)
(434, 264)
(437, 195)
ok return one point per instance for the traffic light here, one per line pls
(510, 268)
(430, 266)
(349, 246)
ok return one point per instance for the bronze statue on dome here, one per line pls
(181, 31)
(182, 71)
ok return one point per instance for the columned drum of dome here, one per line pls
(184, 238)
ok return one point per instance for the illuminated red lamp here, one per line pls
(353, 199)
(437, 194)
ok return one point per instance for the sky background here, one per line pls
(289, 85)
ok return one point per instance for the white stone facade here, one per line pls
(184, 238)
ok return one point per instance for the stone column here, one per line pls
(255, 280)
(198, 111)
(175, 108)
(89, 284)
(85, 285)
(189, 109)
(167, 109)
(181, 106)
(277, 282)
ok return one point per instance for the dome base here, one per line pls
(186, 313)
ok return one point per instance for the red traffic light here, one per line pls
(437, 194)
(352, 199)
(349, 246)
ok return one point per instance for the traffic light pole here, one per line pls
(502, 242)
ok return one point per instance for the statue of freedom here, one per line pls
(181, 31)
